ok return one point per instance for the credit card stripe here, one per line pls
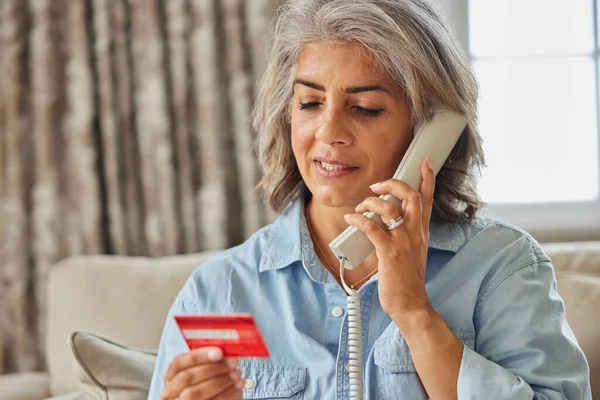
(210, 334)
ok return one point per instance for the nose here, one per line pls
(332, 129)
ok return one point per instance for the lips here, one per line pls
(333, 162)
(333, 169)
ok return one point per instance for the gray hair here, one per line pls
(409, 41)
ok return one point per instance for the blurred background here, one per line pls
(124, 129)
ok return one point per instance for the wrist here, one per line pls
(416, 321)
(425, 332)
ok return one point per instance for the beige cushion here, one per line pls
(24, 386)
(70, 396)
(581, 294)
(581, 257)
(124, 298)
(1, 353)
(110, 371)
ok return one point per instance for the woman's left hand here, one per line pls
(401, 252)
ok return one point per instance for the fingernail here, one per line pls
(428, 162)
(235, 375)
(375, 185)
(232, 362)
(356, 208)
(215, 354)
(346, 216)
(240, 384)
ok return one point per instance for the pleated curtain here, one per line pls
(124, 129)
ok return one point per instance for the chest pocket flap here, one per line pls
(267, 380)
(392, 352)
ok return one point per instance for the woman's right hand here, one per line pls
(203, 374)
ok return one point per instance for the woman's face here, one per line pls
(350, 124)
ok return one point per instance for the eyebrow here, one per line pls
(354, 89)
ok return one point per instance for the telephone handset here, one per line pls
(434, 139)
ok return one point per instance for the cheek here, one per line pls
(300, 142)
(387, 160)
(401, 147)
(302, 127)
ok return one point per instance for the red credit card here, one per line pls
(237, 335)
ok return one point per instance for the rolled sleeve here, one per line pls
(171, 345)
(524, 348)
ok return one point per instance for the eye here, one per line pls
(308, 105)
(368, 112)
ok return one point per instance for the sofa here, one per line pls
(126, 299)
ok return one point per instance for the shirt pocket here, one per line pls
(268, 380)
(397, 373)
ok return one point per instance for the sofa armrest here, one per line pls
(25, 386)
(581, 294)
(104, 294)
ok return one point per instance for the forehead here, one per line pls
(339, 63)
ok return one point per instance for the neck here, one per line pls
(326, 223)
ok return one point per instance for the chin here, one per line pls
(336, 199)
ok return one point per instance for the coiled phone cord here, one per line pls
(355, 350)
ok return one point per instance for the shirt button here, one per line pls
(337, 312)
(249, 383)
(348, 368)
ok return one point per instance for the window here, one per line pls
(537, 62)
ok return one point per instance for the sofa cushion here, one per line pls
(110, 371)
(581, 257)
(581, 294)
(24, 386)
(124, 298)
(70, 396)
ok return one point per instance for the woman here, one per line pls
(453, 306)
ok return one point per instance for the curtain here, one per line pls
(124, 129)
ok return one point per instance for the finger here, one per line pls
(427, 190)
(232, 362)
(233, 393)
(195, 357)
(411, 199)
(194, 375)
(386, 210)
(374, 232)
(211, 388)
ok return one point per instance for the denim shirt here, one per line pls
(490, 282)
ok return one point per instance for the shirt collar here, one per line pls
(449, 237)
(285, 239)
(288, 239)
